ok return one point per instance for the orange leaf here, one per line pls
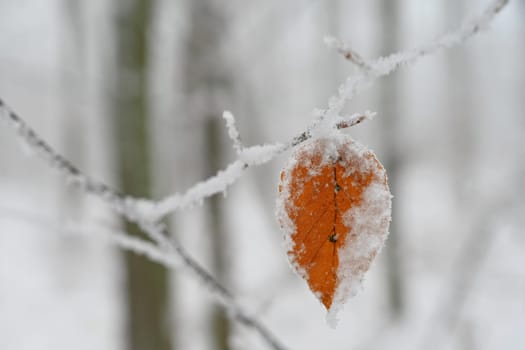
(334, 207)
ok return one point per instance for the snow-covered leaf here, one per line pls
(334, 207)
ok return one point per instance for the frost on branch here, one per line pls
(233, 133)
(375, 69)
(384, 66)
(346, 51)
(366, 186)
(334, 208)
(162, 249)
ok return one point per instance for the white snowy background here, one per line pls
(459, 204)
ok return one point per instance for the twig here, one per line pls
(220, 182)
(248, 157)
(385, 65)
(133, 209)
(346, 52)
(178, 257)
(147, 213)
(331, 116)
(73, 175)
(232, 131)
(145, 248)
(140, 209)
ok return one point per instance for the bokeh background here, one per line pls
(133, 91)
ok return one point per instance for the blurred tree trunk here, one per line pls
(389, 103)
(217, 229)
(209, 85)
(146, 282)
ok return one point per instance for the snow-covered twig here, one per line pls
(123, 240)
(232, 131)
(248, 157)
(179, 260)
(147, 213)
(331, 116)
(134, 209)
(91, 230)
(168, 252)
(146, 210)
(385, 65)
(346, 51)
(73, 175)
(255, 155)
(149, 250)
(118, 201)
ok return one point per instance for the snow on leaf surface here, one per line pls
(334, 207)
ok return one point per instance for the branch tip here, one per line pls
(346, 52)
(233, 133)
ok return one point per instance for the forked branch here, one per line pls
(164, 250)
(148, 213)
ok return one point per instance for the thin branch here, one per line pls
(248, 157)
(123, 240)
(346, 52)
(178, 257)
(340, 123)
(174, 258)
(256, 155)
(133, 209)
(73, 175)
(146, 210)
(355, 119)
(147, 213)
(232, 131)
(385, 65)
(377, 68)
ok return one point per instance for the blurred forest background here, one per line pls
(133, 91)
